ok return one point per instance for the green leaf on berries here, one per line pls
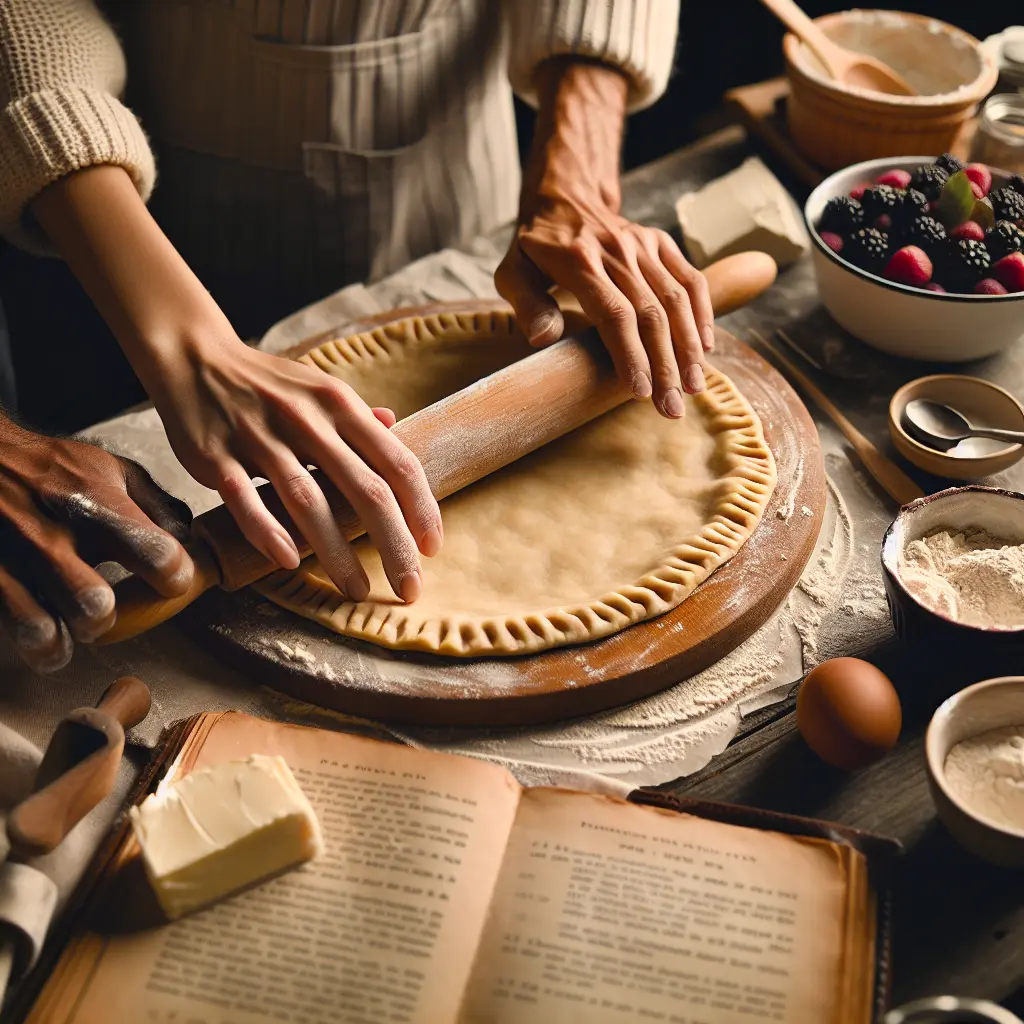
(983, 214)
(956, 201)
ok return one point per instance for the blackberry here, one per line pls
(867, 248)
(880, 200)
(929, 179)
(1004, 238)
(926, 233)
(950, 164)
(841, 215)
(911, 207)
(1007, 204)
(964, 263)
(1016, 183)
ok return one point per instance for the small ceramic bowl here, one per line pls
(983, 403)
(951, 1009)
(908, 322)
(1000, 513)
(993, 704)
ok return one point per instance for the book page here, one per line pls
(612, 912)
(381, 929)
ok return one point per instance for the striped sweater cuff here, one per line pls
(636, 36)
(47, 135)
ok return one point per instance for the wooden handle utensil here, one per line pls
(78, 769)
(458, 440)
(856, 69)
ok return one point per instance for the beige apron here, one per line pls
(305, 144)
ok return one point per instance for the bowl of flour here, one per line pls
(954, 571)
(974, 749)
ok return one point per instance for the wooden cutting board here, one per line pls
(276, 648)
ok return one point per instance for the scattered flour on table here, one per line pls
(969, 576)
(986, 773)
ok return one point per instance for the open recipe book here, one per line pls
(448, 893)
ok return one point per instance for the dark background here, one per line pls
(722, 44)
(725, 43)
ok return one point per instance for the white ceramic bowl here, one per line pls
(993, 704)
(896, 318)
(1001, 514)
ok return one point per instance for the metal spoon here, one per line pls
(941, 427)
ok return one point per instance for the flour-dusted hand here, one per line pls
(651, 308)
(233, 413)
(65, 507)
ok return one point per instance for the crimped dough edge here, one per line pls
(751, 480)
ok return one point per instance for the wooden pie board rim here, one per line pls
(359, 679)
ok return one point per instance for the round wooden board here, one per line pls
(280, 649)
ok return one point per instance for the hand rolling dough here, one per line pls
(612, 524)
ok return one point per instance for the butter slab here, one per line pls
(745, 209)
(220, 829)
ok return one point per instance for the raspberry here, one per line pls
(832, 240)
(1007, 204)
(867, 248)
(981, 176)
(858, 190)
(895, 179)
(841, 216)
(969, 229)
(950, 164)
(977, 190)
(989, 286)
(909, 265)
(1009, 272)
(963, 264)
(925, 232)
(1004, 238)
(929, 179)
(934, 286)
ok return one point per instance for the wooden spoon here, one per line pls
(78, 769)
(845, 66)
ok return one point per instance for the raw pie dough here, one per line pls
(612, 524)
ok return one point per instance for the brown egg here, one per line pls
(848, 712)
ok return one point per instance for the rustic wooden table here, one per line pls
(959, 923)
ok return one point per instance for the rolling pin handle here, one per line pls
(127, 699)
(140, 607)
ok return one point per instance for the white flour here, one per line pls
(970, 577)
(986, 772)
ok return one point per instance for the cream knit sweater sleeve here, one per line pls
(61, 71)
(637, 36)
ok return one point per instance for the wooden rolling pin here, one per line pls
(459, 440)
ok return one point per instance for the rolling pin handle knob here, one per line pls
(127, 699)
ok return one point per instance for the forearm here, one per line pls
(577, 139)
(649, 305)
(154, 304)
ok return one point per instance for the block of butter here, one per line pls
(220, 829)
(746, 209)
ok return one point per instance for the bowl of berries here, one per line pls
(922, 257)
